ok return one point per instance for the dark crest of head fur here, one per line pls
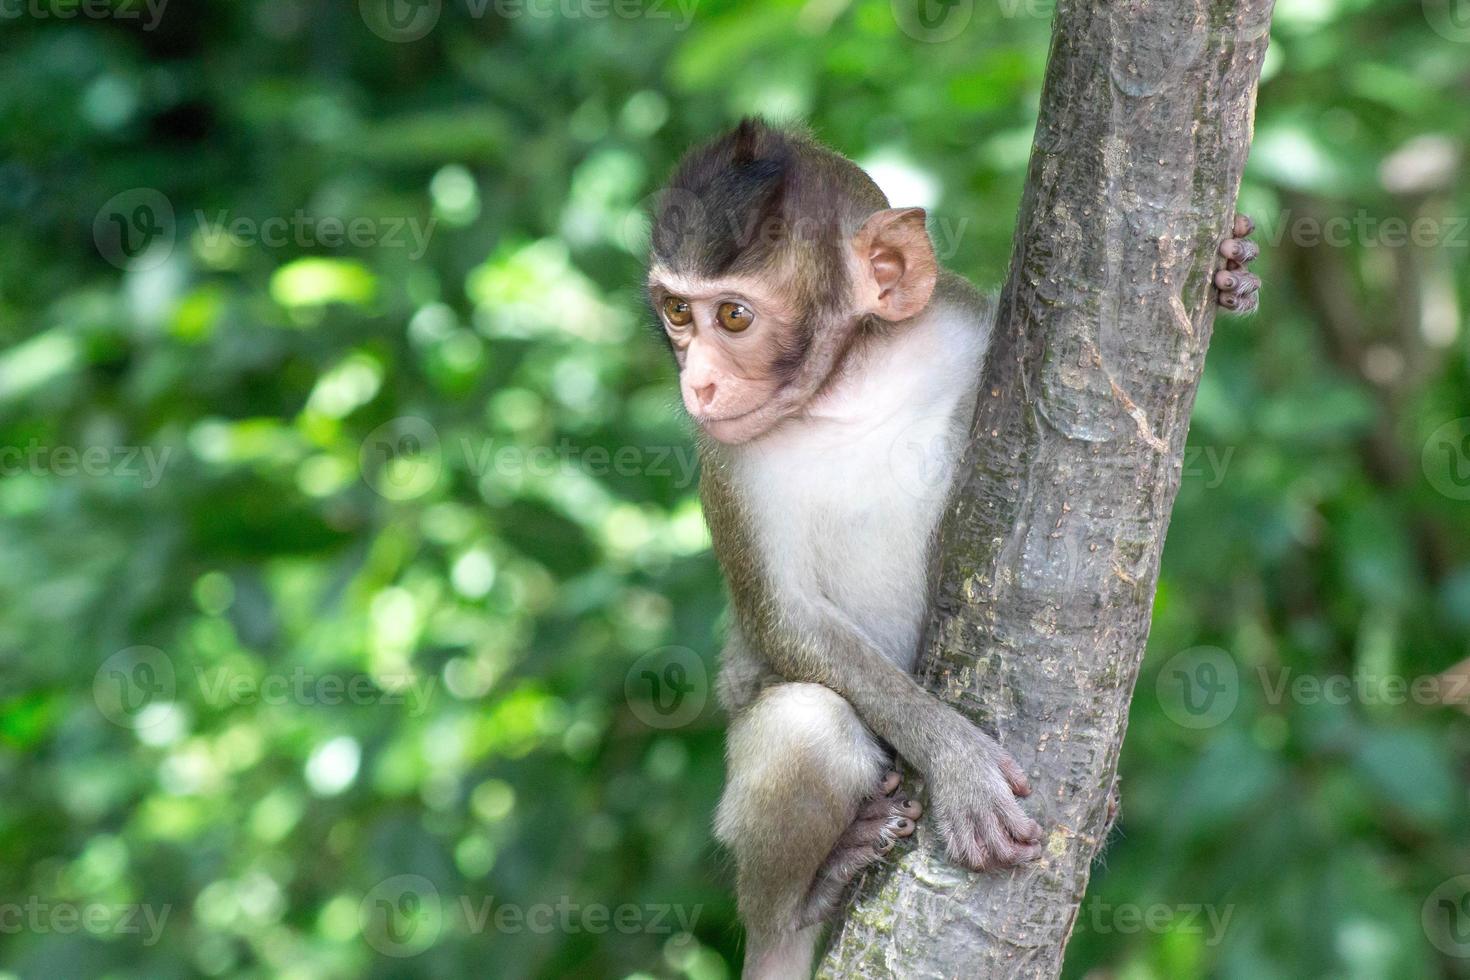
(758, 195)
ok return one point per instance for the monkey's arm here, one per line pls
(974, 783)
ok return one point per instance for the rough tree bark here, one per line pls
(1050, 551)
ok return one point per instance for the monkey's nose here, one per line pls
(705, 395)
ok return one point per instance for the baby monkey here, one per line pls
(817, 339)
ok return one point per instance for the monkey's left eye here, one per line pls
(734, 317)
(677, 312)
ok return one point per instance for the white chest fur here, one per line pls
(844, 503)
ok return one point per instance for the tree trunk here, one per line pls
(1050, 550)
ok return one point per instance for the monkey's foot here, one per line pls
(881, 821)
(1237, 288)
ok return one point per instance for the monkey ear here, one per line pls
(896, 268)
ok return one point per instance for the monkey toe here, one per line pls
(1243, 226)
(873, 828)
(889, 783)
(882, 822)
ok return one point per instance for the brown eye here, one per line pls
(734, 317)
(677, 312)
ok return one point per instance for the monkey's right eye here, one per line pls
(677, 312)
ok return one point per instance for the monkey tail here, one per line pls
(781, 955)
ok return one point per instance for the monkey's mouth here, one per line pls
(711, 420)
(720, 429)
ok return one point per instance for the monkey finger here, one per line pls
(1239, 249)
(1015, 776)
(1238, 302)
(1022, 855)
(964, 846)
(910, 809)
(1243, 226)
(1003, 851)
(1245, 284)
(1011, 855)
(1021, 828)
(889, 783)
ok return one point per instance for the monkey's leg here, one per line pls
(801, 764)
(881, 821)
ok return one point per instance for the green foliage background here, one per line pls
(1322, 528)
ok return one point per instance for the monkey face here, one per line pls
(736, 345)
(754, 350)
(772, 259)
